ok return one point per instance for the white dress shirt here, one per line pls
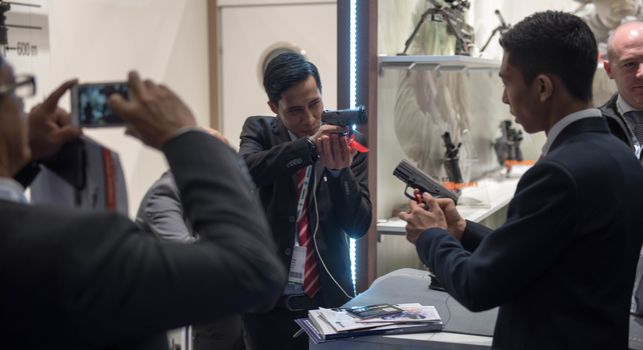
(563, 123)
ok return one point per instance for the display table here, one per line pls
(463, 329)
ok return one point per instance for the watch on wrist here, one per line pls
(313, 150)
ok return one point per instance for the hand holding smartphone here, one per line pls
(89, 106)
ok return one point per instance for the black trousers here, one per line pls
(275, 329)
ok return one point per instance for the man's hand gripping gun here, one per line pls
(417, 179)
(348, 118)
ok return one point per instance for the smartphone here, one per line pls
(89, 106)
(373, 311)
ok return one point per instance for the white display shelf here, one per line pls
(492, 194)
(437, 63)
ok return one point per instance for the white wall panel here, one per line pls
(269, 2)
(165, 40)
(246, 33)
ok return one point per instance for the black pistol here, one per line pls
(347, 118)
(416, 178)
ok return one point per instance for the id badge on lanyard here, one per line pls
(298, 261)
(297, 264)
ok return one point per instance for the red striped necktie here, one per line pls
(311, 273)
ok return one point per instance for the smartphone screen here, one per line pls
(89, 104)
(373, 311)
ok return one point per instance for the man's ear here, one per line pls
(608, 68)
(273, 107)
(545, 87)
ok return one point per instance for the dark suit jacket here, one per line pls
(343, 203)
(81, 280)
(617, 124)
(562, 267)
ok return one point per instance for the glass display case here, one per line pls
(420, 100)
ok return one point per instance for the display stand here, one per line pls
(437, 63)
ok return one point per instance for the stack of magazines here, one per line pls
(329, 324)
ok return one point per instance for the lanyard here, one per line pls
(302, 200)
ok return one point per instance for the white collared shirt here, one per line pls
(622, 106)
(11, 190)
(563, 123)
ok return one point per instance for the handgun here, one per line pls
(416, 178)
(347, 118)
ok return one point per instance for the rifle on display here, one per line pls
(453, 15)
(451, 159)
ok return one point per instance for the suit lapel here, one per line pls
(281, 135)
(279, 131)
(319, 172)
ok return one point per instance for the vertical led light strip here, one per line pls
(352, 81)
(352, 64)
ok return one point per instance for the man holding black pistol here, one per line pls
(561, 268)
(313, 188)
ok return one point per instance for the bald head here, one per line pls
(626, 35)
(624, 62)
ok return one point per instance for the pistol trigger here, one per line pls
(418, 196)
(406, 193)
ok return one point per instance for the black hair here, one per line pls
(557, 43)
(286, 70)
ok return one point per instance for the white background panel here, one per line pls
(246, 32)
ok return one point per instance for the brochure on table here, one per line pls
(328, 324)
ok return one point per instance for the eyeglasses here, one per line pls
(25, 86)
